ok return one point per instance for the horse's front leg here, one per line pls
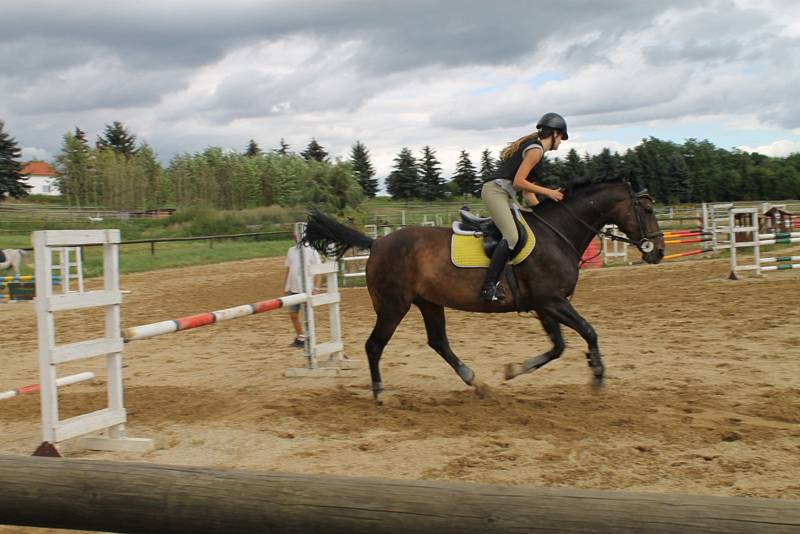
(553, 330)
(566, 315)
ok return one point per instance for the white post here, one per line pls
(63, 256)
(732, 233)
(333, 348)
(751, 226)
(756, 242)
(113, 417)
(45, 325)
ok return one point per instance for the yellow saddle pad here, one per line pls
(467, 250)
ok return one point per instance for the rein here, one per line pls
(645, 244)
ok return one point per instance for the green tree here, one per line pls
(117, 138)
(488, 166)
(283, 149)
(573, 165)
(431, 182)
(365, 172)
(11, 183)
(679, 185)
(74, 166)
(314, 151)
(80, 135)
(465, 176)
(403, 181)
(252, 149)
(158, 190)
(333, 188)
(605, 166)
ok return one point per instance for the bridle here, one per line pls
(645, 244)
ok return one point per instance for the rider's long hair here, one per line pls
(512, 147)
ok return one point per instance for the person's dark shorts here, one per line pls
(294, 308)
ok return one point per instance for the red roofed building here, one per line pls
(41, 177)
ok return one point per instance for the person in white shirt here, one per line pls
(293, 284)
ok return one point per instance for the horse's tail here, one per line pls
(327, 236)
(23, 256)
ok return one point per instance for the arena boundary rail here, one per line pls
(139, 497)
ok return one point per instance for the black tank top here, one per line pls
(508, 167)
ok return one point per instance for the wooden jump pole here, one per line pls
(35, 388)
(135, 497)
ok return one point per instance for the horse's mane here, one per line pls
(577, 187)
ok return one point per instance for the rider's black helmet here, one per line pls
(554, 121)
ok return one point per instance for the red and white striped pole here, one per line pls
(33, 388)
(202, 319)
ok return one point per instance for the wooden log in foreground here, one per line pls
(133, 497)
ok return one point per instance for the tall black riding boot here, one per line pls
(491, 287)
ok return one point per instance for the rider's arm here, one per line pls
(532, 157)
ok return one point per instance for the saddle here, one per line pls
(484, 227)
(2, 256)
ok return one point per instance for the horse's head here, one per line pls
(635, 216)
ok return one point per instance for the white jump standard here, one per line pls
(749, 225)
(112, 418)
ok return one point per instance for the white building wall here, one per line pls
(42, 185)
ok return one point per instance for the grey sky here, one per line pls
(453, 75)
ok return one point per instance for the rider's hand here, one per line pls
(555, 194)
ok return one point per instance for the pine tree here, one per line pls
(679, 184)
(604, 166)
(80, 135)
(365, 172)
(403, 182)
(488, 166)
(431, 182)
(314, 151)
(117, 138)
(252, 149)
(631, 169)
(11, 183)
(573, 166)
(465, 177)
(283, 149)
(74, 169)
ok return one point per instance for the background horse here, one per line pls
(413, 266)
(12, 258)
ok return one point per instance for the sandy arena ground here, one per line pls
(702, 393)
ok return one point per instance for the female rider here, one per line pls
(520, 170)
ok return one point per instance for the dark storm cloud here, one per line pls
(396, 36)
(109, 60)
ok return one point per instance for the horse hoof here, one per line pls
(481, 389)
(597, 383)
(513, 370)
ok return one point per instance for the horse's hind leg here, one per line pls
(553, 329)
(433, 315)
(385, 325)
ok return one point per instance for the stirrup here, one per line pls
(491, 291)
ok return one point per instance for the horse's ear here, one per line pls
(636, 185)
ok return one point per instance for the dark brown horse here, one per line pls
(413, 266)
